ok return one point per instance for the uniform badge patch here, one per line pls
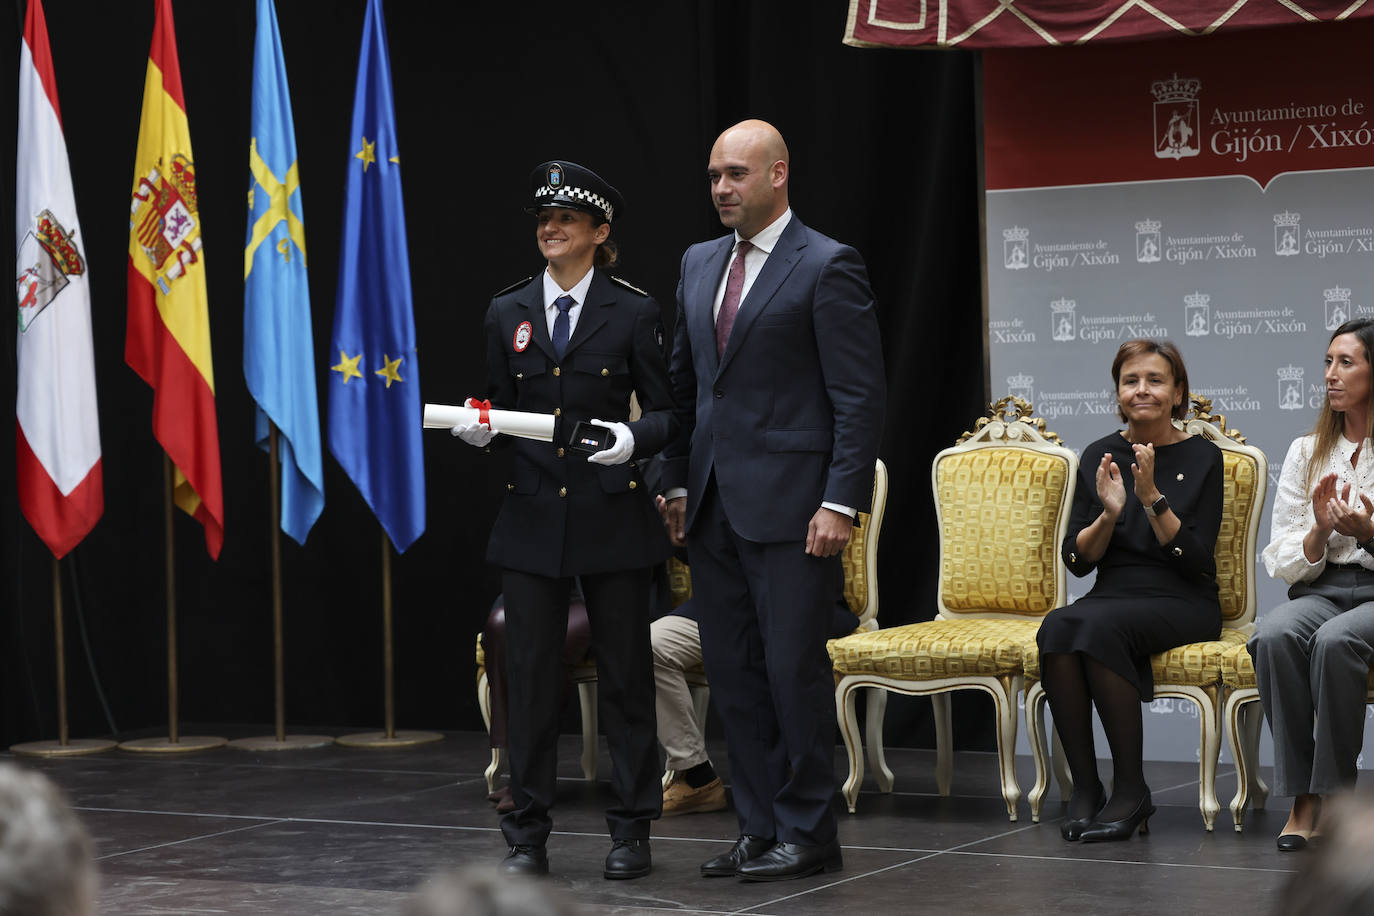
(554, 178)
(522, 336)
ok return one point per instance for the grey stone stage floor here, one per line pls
(342, 831)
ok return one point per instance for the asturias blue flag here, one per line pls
(278, 354)
(375, 411)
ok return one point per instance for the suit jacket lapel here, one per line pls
(781, 260)
(593, 315)
(531, 298)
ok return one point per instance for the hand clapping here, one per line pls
(1351, 521)
(1143, 470)
(1111, 491)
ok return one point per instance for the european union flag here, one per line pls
(374, 399)
(278, 356)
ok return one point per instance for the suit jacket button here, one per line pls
(560, 453)
(633, 484)
(557, 371)
(558, 411)
(605, 372)
(719, 393)
(562, 491)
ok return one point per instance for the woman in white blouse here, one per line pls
(1313, 653)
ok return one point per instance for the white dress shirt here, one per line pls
(579, 293)
(1293, 517)
(763, 242)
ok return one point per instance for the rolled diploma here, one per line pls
(520, 423)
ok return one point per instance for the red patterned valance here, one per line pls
(1032, 23)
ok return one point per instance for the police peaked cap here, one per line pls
(560, 183)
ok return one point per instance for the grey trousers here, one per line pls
(677, 647)
(1312, 658)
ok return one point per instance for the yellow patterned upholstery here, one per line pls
(1002, 496)
(1194, 672)
(679, 582)
(940, 648)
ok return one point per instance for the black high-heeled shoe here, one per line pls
(1073, 827)
(1104, 831)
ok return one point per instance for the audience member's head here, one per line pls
(1338, 878)
(481, 892)
(46, 868)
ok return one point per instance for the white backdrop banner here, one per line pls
(1218, 192)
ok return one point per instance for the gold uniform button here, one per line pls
(558, 411)
(560, 453)
(633, 484)
(519, 375)
(510, 486)
(1073, 558)
(1178, 551)
(605, 372)
(562, 491)
(557, 371)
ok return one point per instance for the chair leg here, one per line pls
(944, 742)
(493, 770)
(1237, 722)
(1209, 715)
(586, 693)
(873, 739)
(1035, 734)
(849, 729)
(1006, 741)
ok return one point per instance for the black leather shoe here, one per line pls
(1106, 831)
(1073, 827)
(727, 863)
(789, 860)
(525, 860)
(1292, 842)
(628, 859)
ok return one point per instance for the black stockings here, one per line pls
(1074, 682)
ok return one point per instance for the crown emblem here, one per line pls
(1197, 300)
(1016, 234)
(1336, 294)
(58, 244)
(1148, 225)
(1287, 218)
(1176, 89)
(1063, 305)
(183, 178)
(1290, 373)
(1020, 380)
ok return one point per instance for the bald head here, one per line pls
(748, 171)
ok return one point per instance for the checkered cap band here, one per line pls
(582, 194)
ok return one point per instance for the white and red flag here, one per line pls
(58, 433)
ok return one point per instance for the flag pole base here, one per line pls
(288, 743)
(185, 744)
(380, 741)
(74, 748)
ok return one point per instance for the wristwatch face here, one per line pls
(1159, 506)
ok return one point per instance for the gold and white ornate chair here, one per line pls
(1193, 673)
(1002, 497)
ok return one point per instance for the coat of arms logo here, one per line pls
(163, 216)
(1015, 242)
(1197, 314)
(48, 258)
(1177, 133)
(1147, 241)
(1287, 232)
(1290, 387)
(1337, 306)
(1063, 323)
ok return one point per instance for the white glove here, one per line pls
(478, 434)
(620, 452)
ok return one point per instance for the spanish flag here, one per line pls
(168, 339)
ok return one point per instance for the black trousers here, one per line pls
(536, 625)
(765, 612)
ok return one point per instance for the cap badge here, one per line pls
(522, 336)
(555, 176)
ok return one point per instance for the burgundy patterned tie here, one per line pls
(729, 306)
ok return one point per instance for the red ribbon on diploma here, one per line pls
(482, 408)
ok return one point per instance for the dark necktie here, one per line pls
(729, 306)
(560, 324)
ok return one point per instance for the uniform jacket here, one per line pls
(562, 515)
(791, 414)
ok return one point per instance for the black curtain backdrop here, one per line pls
(883, 157)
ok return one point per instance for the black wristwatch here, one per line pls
(1159, 507)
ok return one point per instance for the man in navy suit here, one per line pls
(777, 372)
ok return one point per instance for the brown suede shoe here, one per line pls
(680, 798)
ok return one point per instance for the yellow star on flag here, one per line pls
(349, 367)
(368, 154)
(388, 371)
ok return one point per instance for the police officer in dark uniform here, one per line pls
(575, 342)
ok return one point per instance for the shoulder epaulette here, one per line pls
(630, 286)
(513, 287)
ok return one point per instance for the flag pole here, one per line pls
(175, 742)
(280, 741)
(390, 737)
(63, 746)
